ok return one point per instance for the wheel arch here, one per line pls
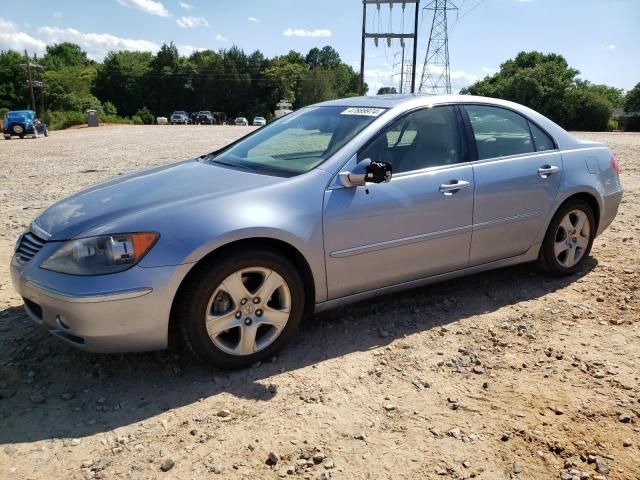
(285, 249)
(587, 197)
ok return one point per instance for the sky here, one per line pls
(601, 38)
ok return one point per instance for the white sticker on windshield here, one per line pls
(367, 112)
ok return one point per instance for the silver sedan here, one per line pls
(334, 203)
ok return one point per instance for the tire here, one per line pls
(46, 132)
(232, 284)
(18, 129)
(7, 137)
(569, 239)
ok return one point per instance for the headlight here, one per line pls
(100, 255)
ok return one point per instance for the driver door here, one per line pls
(417, 225)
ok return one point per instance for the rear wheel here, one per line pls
(241, 309)
(46, 131)
(569, 238)
(17, 129)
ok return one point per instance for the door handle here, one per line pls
(547, 170)
(453, 186)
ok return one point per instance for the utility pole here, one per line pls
(402, 68)
(389, 35)
(30, 80)
(436, 75)
(34, 83)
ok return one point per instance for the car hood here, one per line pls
(151, 188)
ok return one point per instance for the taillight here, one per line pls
(614, 164)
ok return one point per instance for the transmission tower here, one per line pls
(389, 36)
(436, 76)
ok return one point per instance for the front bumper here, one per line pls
(123, 312)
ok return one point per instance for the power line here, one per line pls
(436, 76)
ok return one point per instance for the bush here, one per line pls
(587, 110)
(612, 125)
(136, 120)
(109, 109)
(62, 120)
(115, 119)
(145, 115)
(632, 123)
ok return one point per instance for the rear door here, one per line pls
(517, 175)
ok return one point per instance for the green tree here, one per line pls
(632, 100)
(13, 80)
(387, 90)
(317, 86)
(64, 54)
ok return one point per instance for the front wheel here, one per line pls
(569, 238)
(241, 308)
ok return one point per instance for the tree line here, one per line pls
(142, 85)
(135, 87)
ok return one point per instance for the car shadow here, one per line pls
(51, 390)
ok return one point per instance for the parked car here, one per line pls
(259, 121)
(219, 118)
(375, 195)
(205, 117)
(241, 121)
(19, 123)
(180, 117)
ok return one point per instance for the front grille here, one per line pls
(29, 245)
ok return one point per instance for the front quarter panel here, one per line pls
(290, 211)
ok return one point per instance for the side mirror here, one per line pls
(367, 171)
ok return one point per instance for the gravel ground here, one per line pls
(506, 374)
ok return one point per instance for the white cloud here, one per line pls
(299, 32)
(57, 15)
(192, 22)
(148, 6)
(221, 38)
(253, 19)
(97, 45)
(186, 6)
(376, 78)
(13, 39)
(186, 50)
(489, 70)
(611, 46)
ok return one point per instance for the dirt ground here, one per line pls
(507, 374)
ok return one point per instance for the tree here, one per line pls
(546, 83)
(387, 90)
(13, 80)
(632, 100)
(317, 86)
(64, 54)
(327, 57)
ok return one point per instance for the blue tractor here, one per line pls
(19, 123)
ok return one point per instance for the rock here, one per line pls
(466, 464)
(602, 467)
(167, 465)
(67, 396)
(37, 398)
(10, 450)
(360, 436)
(624, 418)
(272, 388)
(454, 432)
(318, 457)
(101, 464)
(478, 370)
(217, 469)
(626, 442)
(272, 458)
(323, 476)
(389, 407)
(86, 463)
(556, 409)
(628, 270)
(452, 399)
(517, 467)
(223, 413)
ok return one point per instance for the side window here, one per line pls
(543, 142)
(422, 139)
(499, 132)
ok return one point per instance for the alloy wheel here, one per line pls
(572, 238)
(248, 311)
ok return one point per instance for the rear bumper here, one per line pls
(129, 318)
(610, 205)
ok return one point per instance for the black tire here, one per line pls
(191, 306)
(547, 260)
(46, 132)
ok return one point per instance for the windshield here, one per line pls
(298, 142)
